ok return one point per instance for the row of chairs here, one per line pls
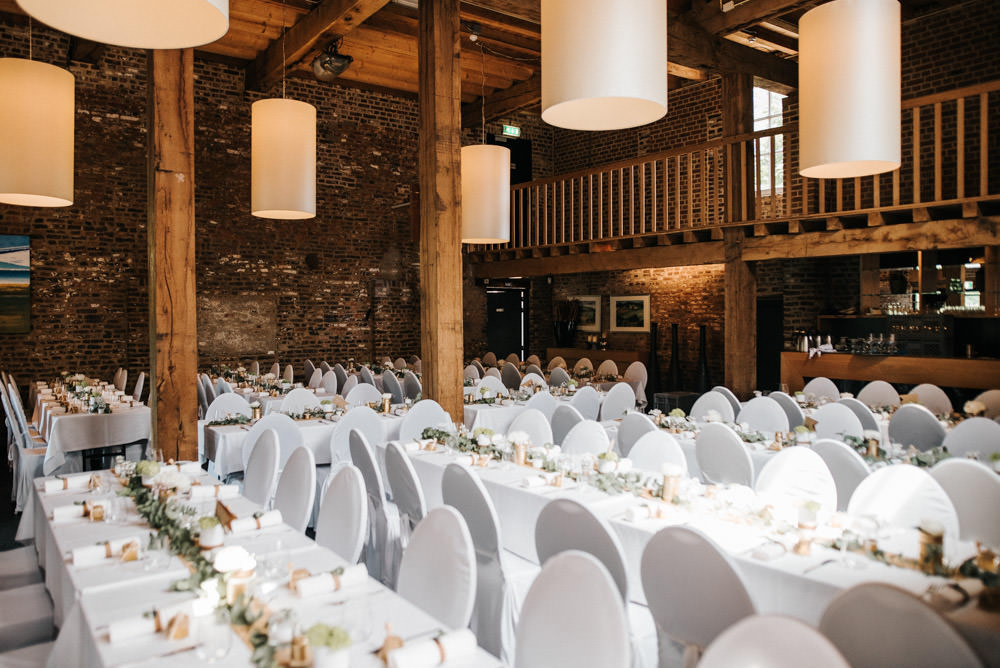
(881, 393)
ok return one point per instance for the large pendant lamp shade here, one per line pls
(849, 89)
(36, 133)
(283, 159)
(485, 194)
(604, 63)
(143, 24)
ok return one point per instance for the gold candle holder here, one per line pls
(386, 404)
(671, 484)
(520, 454)
(257, 412)
(931, 551)
(872, 448)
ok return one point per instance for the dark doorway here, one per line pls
(505, 321)
(770, 342)
(520, 156)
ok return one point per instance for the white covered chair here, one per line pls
(479, 365)
(390, 385)
(349, 384)
(820, 387)
(581, 364)
(544, 402)
(27, 455)
(633, 426)
(288, 433)
(206, 383)
(510, 376)
(296, 489)
(25, 617)
(974, 490)
(573, 615)
(411, 385)
(607, 368)
(399, 363)
(298, 400)
(494, 384)
(367, 376)
(846, 465)
(588, 402)
(261, 472)
(564, 418)
(222, 386)
(309, 368)
(913, 424)
(363, 394)
(490, 359)
(535, 379)
(254, 368)
(276, 370)
(654, 449)
(933, 397)
(879, 393)
(18, 568)
(121, 377)
(472, 371)
(712, 401)
(227, 404)
(903, 496)
(752, 642)
(533, 423)
(556, 362)
(343, 514)
(438, 570)
(329, 382)
(535, 369)
(619, 400)
(32, 656)
(990, 399)
(341, 373)
(533, 359)
(513, 359)
(382, 551)
(791, 407)
(764, 414)
(728, 394)
(361, 418)
(559, 377)
(794, 477)
(405, 490)
(837, 421)
(289, 375)
(417, 366)
(324, 366)
(202, 400)
(586, 436)
(315, 379)
(423, 414)
(875, 624)
(140, 384)
(722, 457)
(864, 414)
(692, 588)
(636, 373)
(978, 434)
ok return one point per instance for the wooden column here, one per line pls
(737, 119)
(740, 317)
(991, 285)
(870, 283)
(441, 342)
(173, 342)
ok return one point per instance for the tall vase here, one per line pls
(564, 331)
(703, 381)
(674, 373)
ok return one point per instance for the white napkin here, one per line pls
(67, 512)
(467, 460)
(639, 513)
(214, 491)
(410, 446)
(190, 468)
(353, 576)
(142, 625)
(534, 481)
(247, 524)
(95, 554)
(78, 481)
(456, 646)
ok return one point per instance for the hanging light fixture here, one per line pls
(604, 64)
(849, 89)
(142, 24)
(283, 155)
(485, 187)
(36, 132)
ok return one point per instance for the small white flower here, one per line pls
(713, 416)
(669, 469)
(519, 438)
(872, 435)
(233, 558)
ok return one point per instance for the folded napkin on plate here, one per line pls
(466, 460)
(214, 491)
(190, 468)
(451, 647)
(75, 510)
(410, 446)
(534, 481)
(353, 576)
(423, 443)
(95, 554)
(247, 524)
(639, 513)
(78, 481)
(146, 625)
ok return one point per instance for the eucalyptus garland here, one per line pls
(237, 418)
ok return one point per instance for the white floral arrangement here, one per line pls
(713, 416)
(519, 438)
(973, 408)
(171, 478)
(234, 559)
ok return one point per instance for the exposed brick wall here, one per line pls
(810, 287)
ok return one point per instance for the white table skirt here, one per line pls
(67, 433)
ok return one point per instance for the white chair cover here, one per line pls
(581, 364)
(875, 624)
(974, 490)
(316, 379)
(573, 616)
(846, 465)
(564, 418)
(990, 399)
(534, 379)
(289, 375)
(329, 382)
(837, 421)
(399, 363)
(865, 415)
(405, 490)
(879, 393)
(903, 496)
(438, 571)
(222, 386)
(752, 642)
(423, 414)
(121, 379)
(417, 366)
(490, 359)
(764, 414)
(140, 384)
(202, 400)
(791, 407)
(933, 397)
(289, 436)
(342, 524)
(25, 617)
(556, 362)
(348, 385)
(364, 420)
(513, 359)
(227, 404)
(493, 372)
(533, 423)
(298, 400)
(822, 387)
(363, 394)
(510, 376)
(619, 400)
(632, 427)
(636, 373)
(586, 436)
(728, 394)
(654, 449)
(479, 365)
(535, 369)
(367, 376)
(913, 424)
(588, 402)
(722, 457)
(472, 371)
(390, 384)
(692, 588)
(558, 377)
(310, 368)
(382, 552)
(793, 477)
(411, 385)
(261, 472)
(297, 489)
(276, 370)
(533, 359)
(254, 368)
(713, 401)
(544, 402)
(325, 367)
(493, 383)
(206, 383)
(978, 434)
(341, 373)
(26, 456)
(607, 368)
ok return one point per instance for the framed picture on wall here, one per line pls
(630, 314)
(589, 319)
(15, 284)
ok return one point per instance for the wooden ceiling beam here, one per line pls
(326, 22)
(503, 102)
(709, 15)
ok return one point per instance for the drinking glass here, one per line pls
(214, 636)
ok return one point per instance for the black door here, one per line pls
(505, 322)
(770, 341)
(520, 156)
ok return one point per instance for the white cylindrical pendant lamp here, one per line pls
(143, 24)
(283, 159)
(604, 63)
(849, 89)
(485, 194)
(36, 133)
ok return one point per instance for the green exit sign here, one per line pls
(511, 131)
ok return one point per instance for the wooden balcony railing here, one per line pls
(753, 178)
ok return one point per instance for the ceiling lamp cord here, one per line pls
(284, 64)
(482, 91)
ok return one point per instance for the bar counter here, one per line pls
(942, 371)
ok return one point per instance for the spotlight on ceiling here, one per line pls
(329, 65)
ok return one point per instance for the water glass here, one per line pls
(213, 635)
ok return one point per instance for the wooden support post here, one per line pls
(870, 283)
(440, 204)
(991, 285)
(737, 119)
(740, 317)
(173, 340)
